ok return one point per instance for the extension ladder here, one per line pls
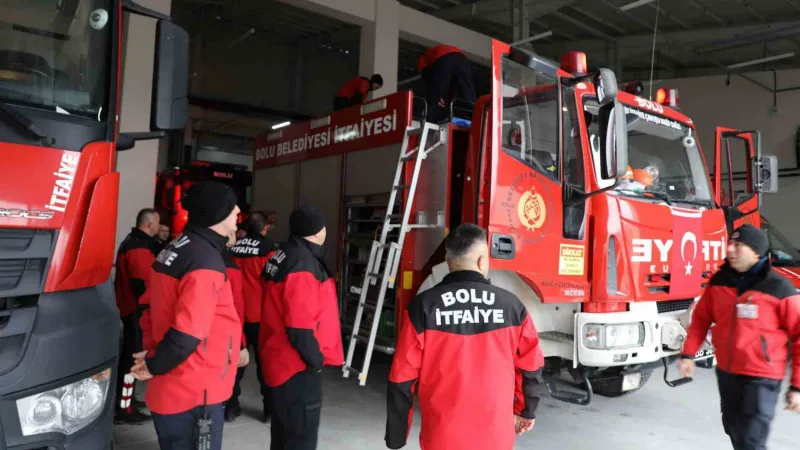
(386, 275)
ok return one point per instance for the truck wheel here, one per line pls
(609, 384)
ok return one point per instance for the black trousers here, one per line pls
(251, 330)
(344, 102)
(131, 343)
(450, 72)
(296, 412)
(177, 431)
(748, 407)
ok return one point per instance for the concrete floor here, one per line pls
(657, 417)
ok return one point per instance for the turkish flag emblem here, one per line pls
(686, 258)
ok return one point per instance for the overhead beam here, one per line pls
(497, 10)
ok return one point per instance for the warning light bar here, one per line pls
(575, 63)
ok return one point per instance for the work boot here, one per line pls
(232, 411)
(132, 417)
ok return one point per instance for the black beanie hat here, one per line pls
(306, 221)
(377, 78)
(751, 237)
(208, 203)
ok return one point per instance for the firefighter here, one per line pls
(447, 74)
(355, 90)
(756, 314)
(251, 254)
(194, 329)
(459, 338)
(135, 257)
(235, 276)
(299, 331)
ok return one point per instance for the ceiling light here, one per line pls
(635, 4)
(761, 60)
(281, 125)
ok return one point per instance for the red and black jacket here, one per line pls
(355, 88)
(251, 254)
(235, 276)
(460, 347)
(756, 317)
(195, 328)
(432, 54)
(134, 260)
(300, 316)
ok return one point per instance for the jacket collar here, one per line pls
(316, 250)
(139, 234)
(464, 276)
(217, 240)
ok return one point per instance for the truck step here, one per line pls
(674, 383)
(576, 398)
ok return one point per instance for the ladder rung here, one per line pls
(401, 187)
(352, 370)
(409, 158)
(369, 306)
(394, 216)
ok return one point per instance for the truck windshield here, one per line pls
(783, 252)
(663, 161)
(55, 55)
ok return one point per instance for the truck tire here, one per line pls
(610, 384)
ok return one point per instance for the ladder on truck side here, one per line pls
(387, 274)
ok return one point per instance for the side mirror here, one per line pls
(169, 108)
(605, 84)
(613, 141)
(170, 103)
(765, 170)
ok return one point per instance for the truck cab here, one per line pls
(601, 213)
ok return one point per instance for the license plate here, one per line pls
(704, 353)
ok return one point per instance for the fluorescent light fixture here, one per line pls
(761, 60)
(281, 125)
(536, 37)
(635, 4)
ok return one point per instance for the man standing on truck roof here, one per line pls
(756, 313)
(194, 331)
(300, 331)
(447, 74)
(251, 254)
(135, 256)
(459, 348)
(355, 90)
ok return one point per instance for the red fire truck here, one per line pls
(601, 213)
(60, 78)
(171, 184)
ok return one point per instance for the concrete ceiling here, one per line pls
(694, 37)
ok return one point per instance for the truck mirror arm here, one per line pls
(135, 8)
(127, 141)
(574, 196)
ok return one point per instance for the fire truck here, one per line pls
(171, 184)
(60, 79)
(601, 213)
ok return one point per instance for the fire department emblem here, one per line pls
(531, 210)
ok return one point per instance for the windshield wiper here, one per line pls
(659, 195)
(26, 124)
(697, 202)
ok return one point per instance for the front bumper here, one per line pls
(662, 336)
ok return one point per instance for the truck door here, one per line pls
(534, 119)
(734, 154)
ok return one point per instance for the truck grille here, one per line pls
(24, 256)
(674, 305)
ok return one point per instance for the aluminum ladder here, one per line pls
(386, 275)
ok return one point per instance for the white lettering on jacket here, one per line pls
(478, 314)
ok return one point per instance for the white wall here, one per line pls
(711, 102)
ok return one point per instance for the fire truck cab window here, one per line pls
(664, 162)
(782, 252)
(530, 118)
(54, 55)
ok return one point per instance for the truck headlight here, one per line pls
(602, 337)
(66, 409)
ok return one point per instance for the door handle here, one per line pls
(503, 246)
